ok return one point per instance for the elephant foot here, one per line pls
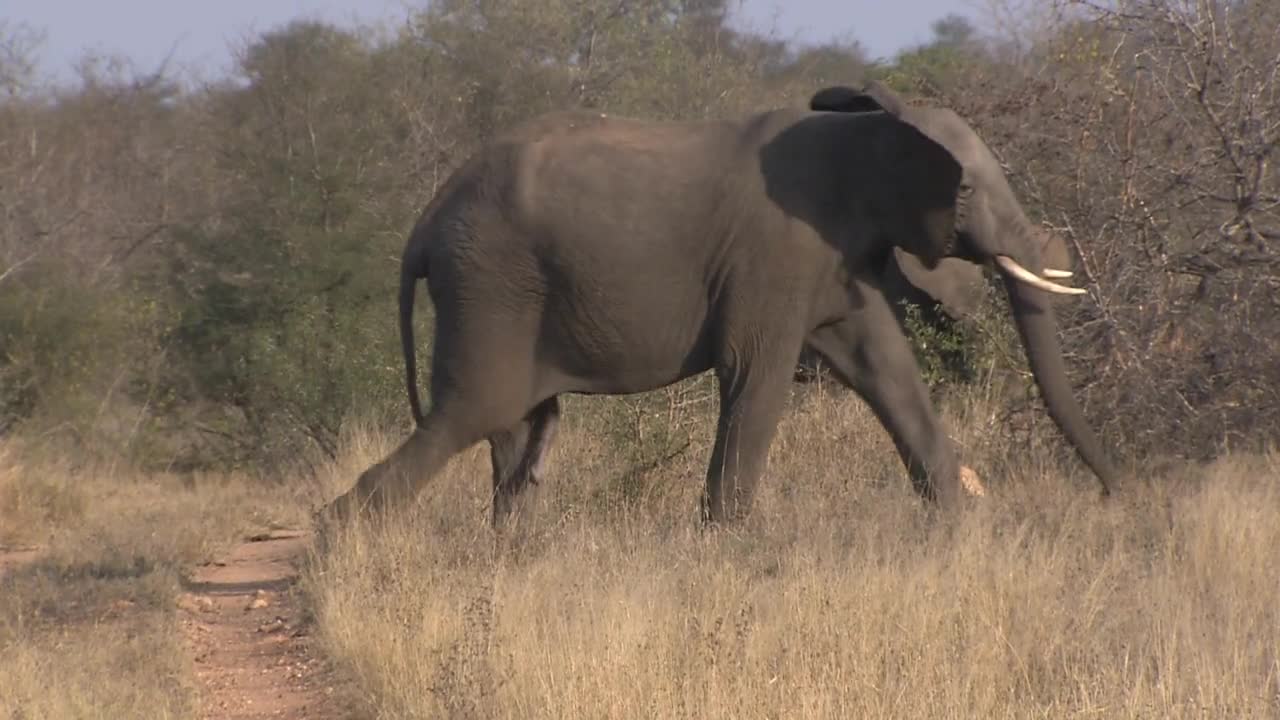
(971, 483)
(340, 510)
(366, 497)
(339, 516)
(330, 519)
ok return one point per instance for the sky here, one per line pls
(199, 33)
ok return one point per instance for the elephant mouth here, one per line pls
(963, 209)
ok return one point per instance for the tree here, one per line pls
(933, 68)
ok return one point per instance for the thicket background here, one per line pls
(201, 275)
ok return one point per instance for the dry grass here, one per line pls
(89, 628)
(843, 597)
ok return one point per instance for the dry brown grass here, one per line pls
(89, 628)
(842, 597)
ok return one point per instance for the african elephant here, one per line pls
(579, 253)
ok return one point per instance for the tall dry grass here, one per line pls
(88, 624)
(842, 597)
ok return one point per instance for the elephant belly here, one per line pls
(620, 343)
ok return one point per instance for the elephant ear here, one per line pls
(919, 180)
(873, 97)
(955, 284)
(843, 99)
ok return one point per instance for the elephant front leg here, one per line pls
(752, 399)
(869, 353)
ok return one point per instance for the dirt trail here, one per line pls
(15, 556)
(253, 655)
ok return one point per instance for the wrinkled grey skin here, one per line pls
(952, 290)
(585, 254)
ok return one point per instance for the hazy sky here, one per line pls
(198, 31)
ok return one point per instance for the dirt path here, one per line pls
(254, 657)
(15, 556)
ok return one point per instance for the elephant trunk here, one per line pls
(1034, 318)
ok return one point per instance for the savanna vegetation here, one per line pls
(845, 597)
(197, 337)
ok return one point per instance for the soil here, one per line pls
(244, 622)
(254, 656)
(15, 556)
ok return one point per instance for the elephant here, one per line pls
(584, 253)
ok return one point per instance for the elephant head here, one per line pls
(990, 224)
(983, 216)
(955, 285)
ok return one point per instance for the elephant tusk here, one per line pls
(1057, 274)
(1010, 266)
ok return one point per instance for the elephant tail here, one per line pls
(408, 281)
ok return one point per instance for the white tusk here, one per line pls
(1018, 272)
(1057, 274)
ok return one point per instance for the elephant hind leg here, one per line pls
(518, 456)
(482, 385)
(401, 476)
